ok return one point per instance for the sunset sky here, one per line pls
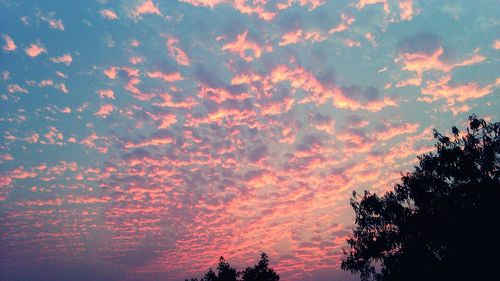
(142, 140)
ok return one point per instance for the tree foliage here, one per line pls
(225, 272)
(261, 271)
(440, 222)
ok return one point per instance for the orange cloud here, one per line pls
(164, 120)
(62, 87)
(291, 37)
(167, 120)
(108, 14)
(324, 123)
(394, 131)
(136, 60)
(14, 88)
(170, 77)
(52, 21)
(104, 110)
(147, 7)
(106, 93)
(262, 13)
(220, 95)
(344, 24)
(9, 43)
(496, 45)
(6, 157)
(362, 3)
(205, 3)
(441, 89)
(158, 139)
(242, 45)
(177, 53)
(35, 50)
(112, 71)
(407, 10)
(66, 59)
(56, 24)
(421, 62)
(168, 101)
(320, 94)
(298, 35)
(352, 43)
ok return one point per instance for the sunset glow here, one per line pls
(143, 139)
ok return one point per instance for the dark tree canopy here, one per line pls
(225, 272)
(441, 221)
(261, 271)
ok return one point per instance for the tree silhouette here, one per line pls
(440, 222)
(260, 272)
(225, 272)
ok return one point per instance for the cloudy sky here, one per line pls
(141, 140)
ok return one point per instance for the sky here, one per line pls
(142, 140)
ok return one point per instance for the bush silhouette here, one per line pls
(441, 221)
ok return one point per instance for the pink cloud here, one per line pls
(45, 83)
(21, 173)
(104, 110)
(291, 37)
(362, 3)
(320, 94)
(53, 136)
(6, 157)
(496, 44)
(52, 21)
(177, 53)
(205, 3)
(14, 88)
(66, 110)
(168, 101)
(420, 62)
(108, 14)
(257, 8)
(5, 180)
(33, 138)
(136, 60)
(9, 43)
(407, 10)
(111, 72)
(170, 77)
(242, 45)
(346, 21)
(313, 4)
(323, 123)
(164, 120)
(65, 59)
(298, 35)
(352, 43)
(394, 131)
(147, 7)
(62, 87)
(456, 92)
(220, 95)
(56, 24)
(106, 93)
(157, 139)
(35, 50)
